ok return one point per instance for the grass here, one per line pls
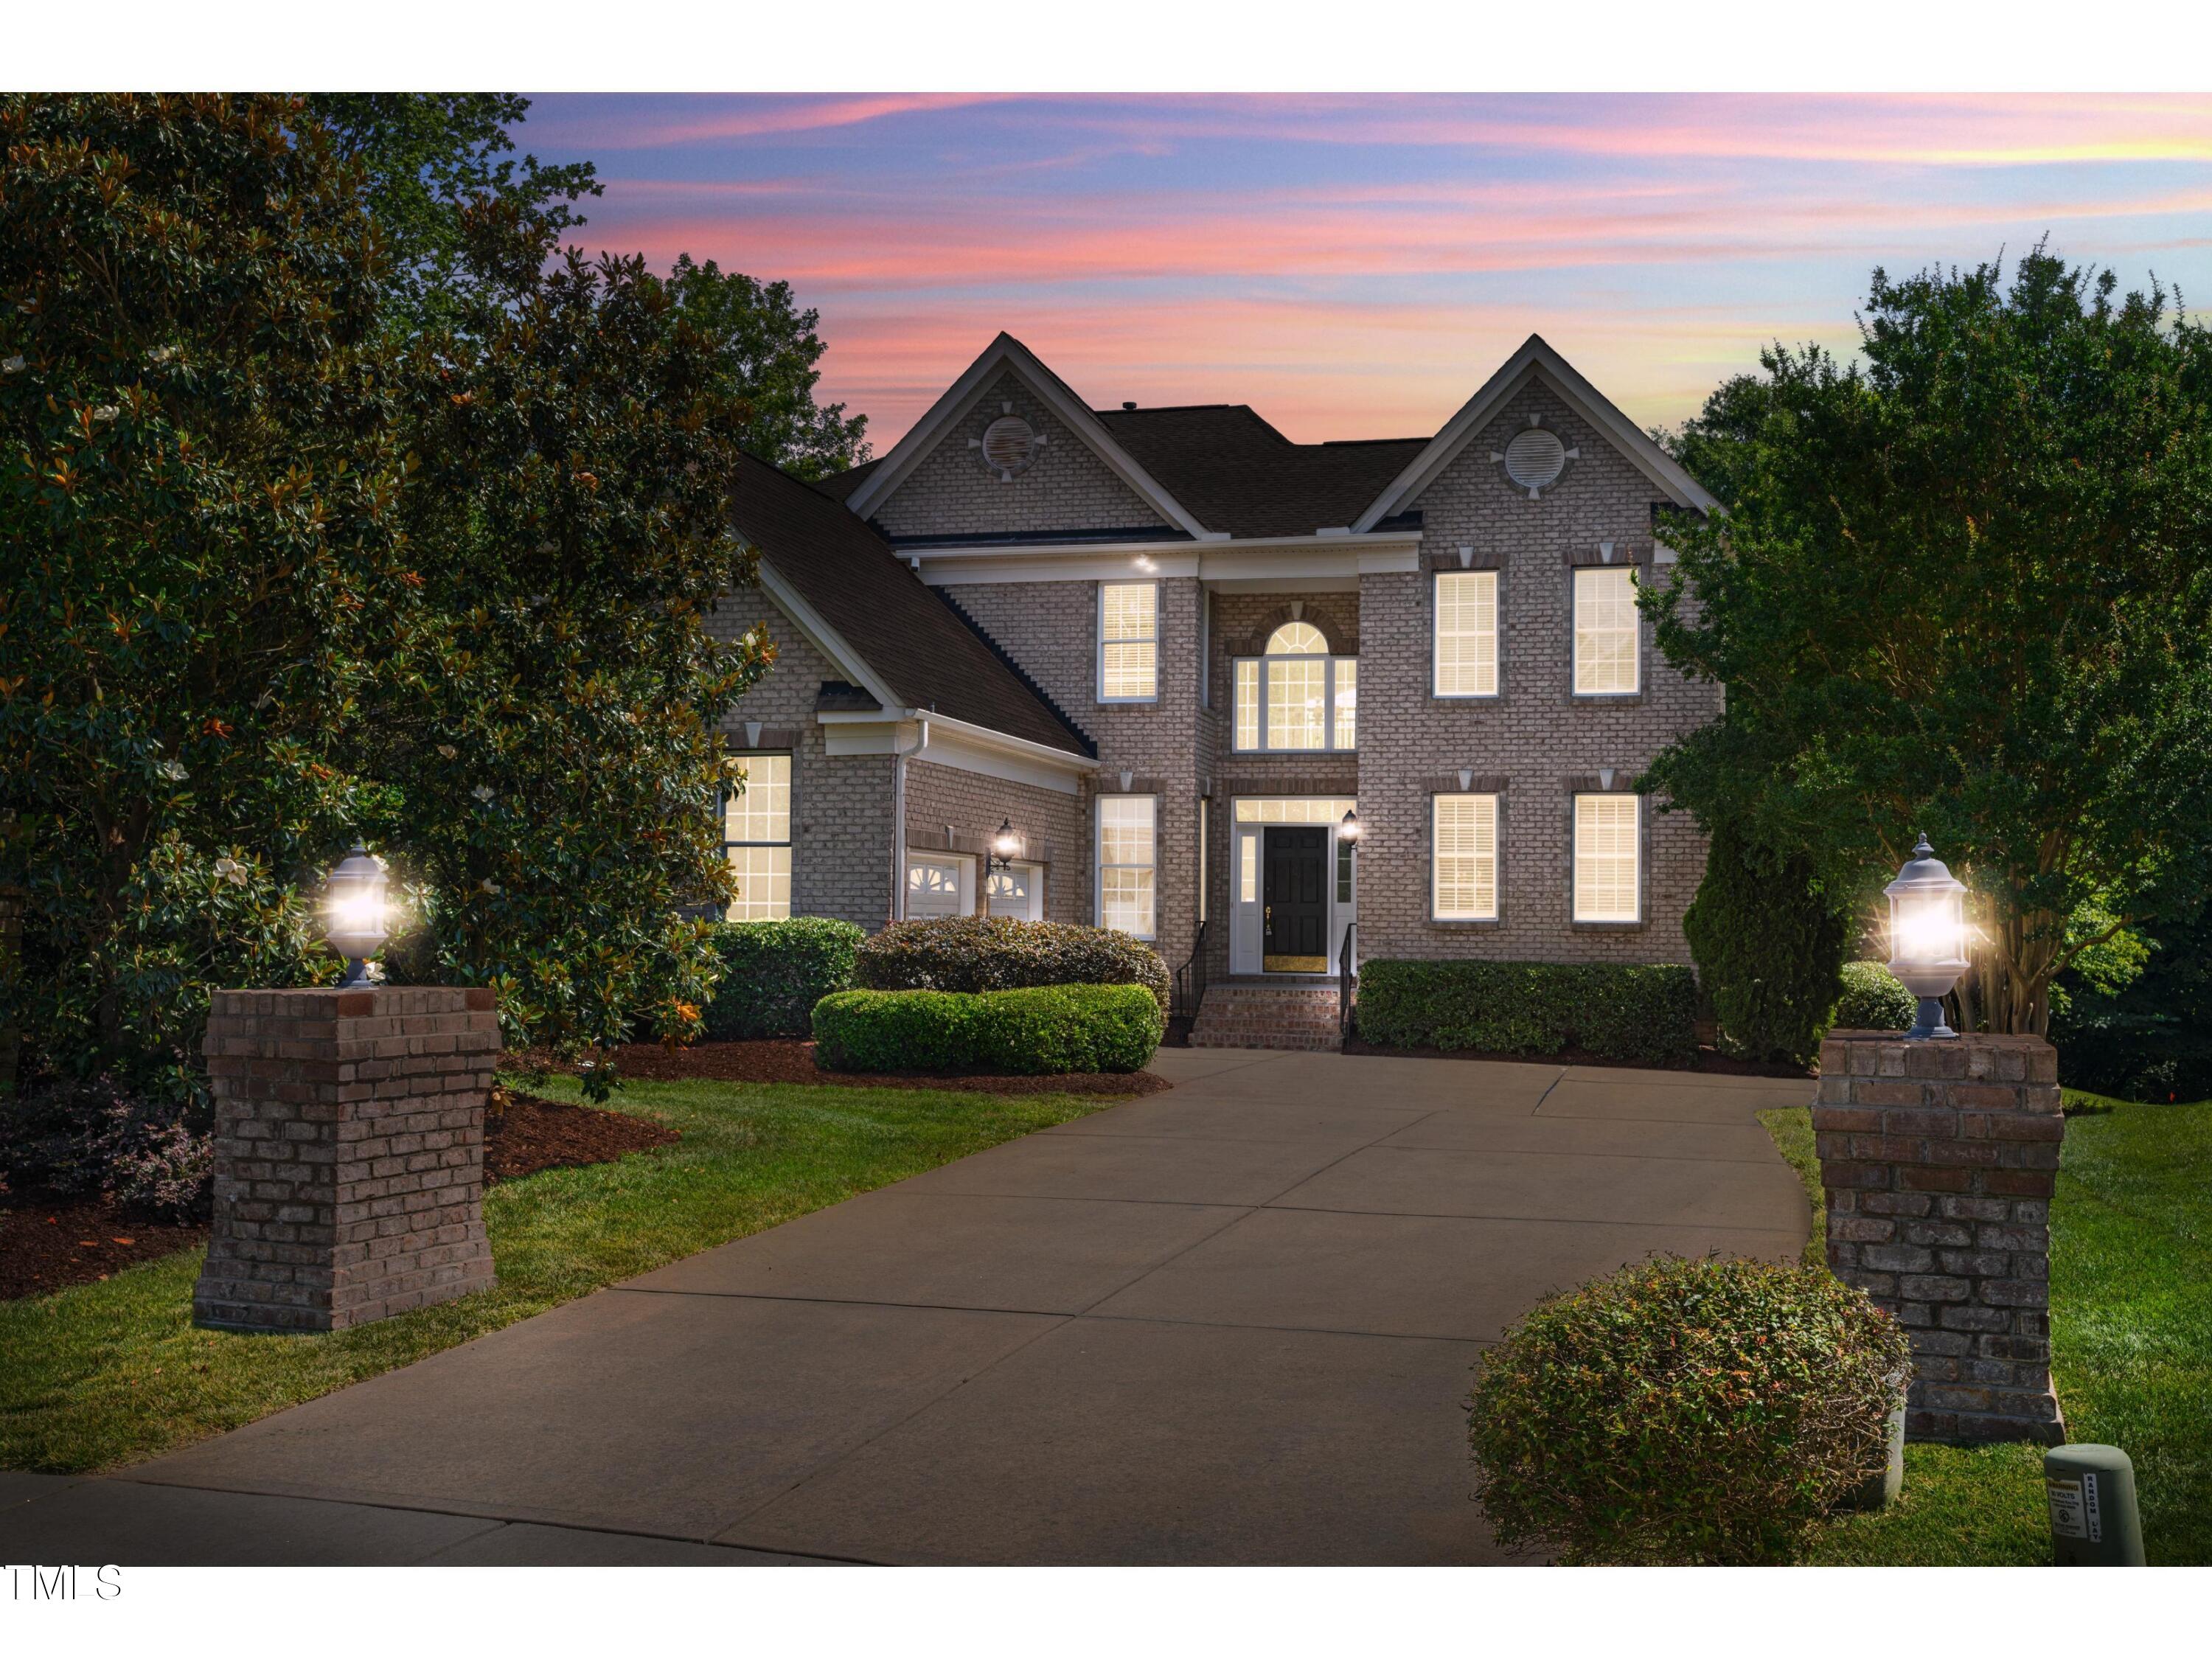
(2131, 1342)
(109, 1373)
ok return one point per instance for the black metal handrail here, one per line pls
(1189, 989)
(1347, 983)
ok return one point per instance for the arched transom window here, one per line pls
(1297, 695)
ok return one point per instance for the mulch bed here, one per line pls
(535, 1133)
(44, 1245)
(792, 1060)
(47, 1243)
(1709, 1060)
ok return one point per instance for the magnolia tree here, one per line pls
(1963, 587)
(290, 564)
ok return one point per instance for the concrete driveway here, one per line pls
(1231, 1323)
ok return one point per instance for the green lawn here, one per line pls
(2131, 1337)
(112, 1372)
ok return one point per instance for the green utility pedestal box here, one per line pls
(2093, 1519)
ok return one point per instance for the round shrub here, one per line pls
(1873, 1000)
(997, 953)
(774, 972)
(1030, 1032)
(1684, 1413)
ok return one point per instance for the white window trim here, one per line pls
(1574, 860)
(1329, 746)
(1099, 654)
(1497, 855)
(1436, 638)
(1099, 867)
(1205, 803)
(1575, 633)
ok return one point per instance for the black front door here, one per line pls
(1296, 913)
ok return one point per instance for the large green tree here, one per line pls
(282, 571)
(1963, 587)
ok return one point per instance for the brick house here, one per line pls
(1173, 650)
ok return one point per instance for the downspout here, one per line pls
(899, 752)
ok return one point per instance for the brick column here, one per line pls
(1939, 1160)
(348, 1175)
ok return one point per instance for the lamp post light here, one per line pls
(354, 914)
(1927, 935)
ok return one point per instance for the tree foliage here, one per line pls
(1962, 589)
(282, 574)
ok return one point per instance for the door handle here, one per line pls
(1268, 912)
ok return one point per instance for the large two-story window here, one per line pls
(757, 838)
(1128, 860)
(1607, 846)
(1466, 653)
(1128, 641)
(1297, 696)
(1463, 857)
(1605, 631)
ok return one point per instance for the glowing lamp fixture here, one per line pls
(1348, 828)
(1927, 935)
(353, 906)
(1003, 846)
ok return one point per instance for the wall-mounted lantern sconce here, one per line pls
(1003, 846)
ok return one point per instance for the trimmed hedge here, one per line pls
(1684, 1413)
(1648, 1014)
(1873, 1000)
(997, 953)
(1769, 948)
(1034, 1032)
(774, 972)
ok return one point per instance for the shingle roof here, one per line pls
(1236, 473)
(838, 485)
(927, 654)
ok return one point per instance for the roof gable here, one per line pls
(1008, 355)
(878, 620)
(1535, 360)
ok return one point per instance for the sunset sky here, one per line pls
(1356, 266)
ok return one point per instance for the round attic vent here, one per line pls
(1009, 445)
(1536, 458)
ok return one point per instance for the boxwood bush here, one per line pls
(1684, 1413)
(1873, 1000)
(774, 972)
(1036, 1030)
(997, 953)
(1769, 948)
(1647, 1014)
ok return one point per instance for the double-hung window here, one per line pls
(1608, 845)
(1466, 653)
(1297, 696)
(1128, 854)
(757, 838)
(1606, 631)
(1128, 641)
(1463, 857)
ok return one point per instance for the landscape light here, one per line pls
(354, 911)
(1927, 935)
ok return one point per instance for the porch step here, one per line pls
(1267, 1017)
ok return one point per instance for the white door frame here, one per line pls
(1247, 936)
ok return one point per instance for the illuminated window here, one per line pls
(1606, 849)
(1466, 633)
(1463, 882)
(1297, 698)
(1128, 641)
(757, 838)
(1126, 855)
(1605, 631)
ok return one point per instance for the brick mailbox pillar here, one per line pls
(1939, 1159)
(348, 1175)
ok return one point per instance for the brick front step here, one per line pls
(1295, 1017)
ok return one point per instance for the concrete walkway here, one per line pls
(1230, 1323)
